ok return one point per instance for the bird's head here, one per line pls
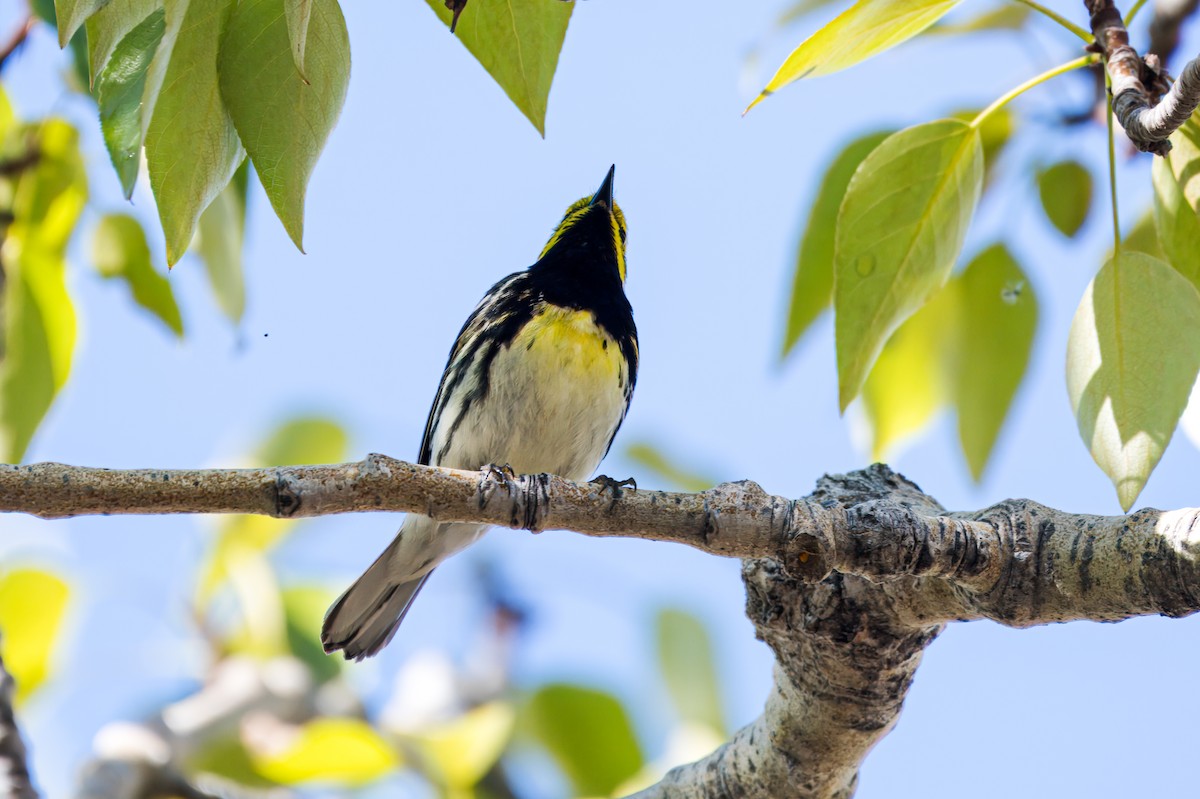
(593, 228)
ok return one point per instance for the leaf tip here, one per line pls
(764, 94)
(1128, 491)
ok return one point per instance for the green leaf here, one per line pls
(219, 244)
(589, 735)
(71, 14)
(908, 382)
(864, 30)
(900, 229)
(335, 751)
(517, 42)
(995, 132)
(998, 320)
(192, 148)
(284, 120)
(119, 90)
(812, 286)
(304, 608)
(1132, 357)
(1185, 161)
(108, 26)
(32, 606)
(685, 656)
(1176, 221)
(1066, 192)
(461, 751)
(37, 313)
(119, 250)
(298, 13)
(653, 458)
(226, 757)
(1143, 237)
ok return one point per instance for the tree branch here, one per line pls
(847, 585)
(1017, 562)
(15, 781)
(1137, 84)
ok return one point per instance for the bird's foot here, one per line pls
(493, 477)
(614, 486)
(500, 474)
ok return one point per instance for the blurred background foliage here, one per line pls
(268, 708)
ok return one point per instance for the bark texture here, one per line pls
(847, 586)
(15, 780)
(1137, 83)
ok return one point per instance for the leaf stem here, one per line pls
(1112, 168)
(1133, 11)
(1011, 95)
(1061, 20)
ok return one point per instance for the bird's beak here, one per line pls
(604, 196)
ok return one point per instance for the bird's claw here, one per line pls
(501, 474)
(498, 475)
(614, 486)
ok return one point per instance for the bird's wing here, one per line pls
(496, 307)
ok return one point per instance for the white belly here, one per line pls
(556, 396)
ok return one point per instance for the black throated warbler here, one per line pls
(539, 379)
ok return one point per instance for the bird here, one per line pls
(538, 380)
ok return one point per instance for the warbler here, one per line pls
(539, 380)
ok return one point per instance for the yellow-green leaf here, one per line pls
(32, 606)
(119, 91)
(298, 13)
(1066, 192)
(37, 314)
(1132, 357)
(994, 133)
(284, 118)
(1143, 237)
(108, 26)
(192, 148)
(589, 735)
(71, 14)
(304, 608)
(1176, 222)
(1185, 161)
(908, 382)
(305, 439)
(334, 751)
(219, 244)
(900, 229)
(685, 656)
(812, 285)
(119, 250)
(653, 458)
(461, 751)
(1010, 17)
(865, 29)
(517, 42)
(998, 318)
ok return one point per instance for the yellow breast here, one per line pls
(571, 341)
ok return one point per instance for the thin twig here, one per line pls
(16, 40)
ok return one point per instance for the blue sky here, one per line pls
(431, 188)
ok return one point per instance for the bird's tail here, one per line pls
(364, 619)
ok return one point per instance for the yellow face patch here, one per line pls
(577, 211)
